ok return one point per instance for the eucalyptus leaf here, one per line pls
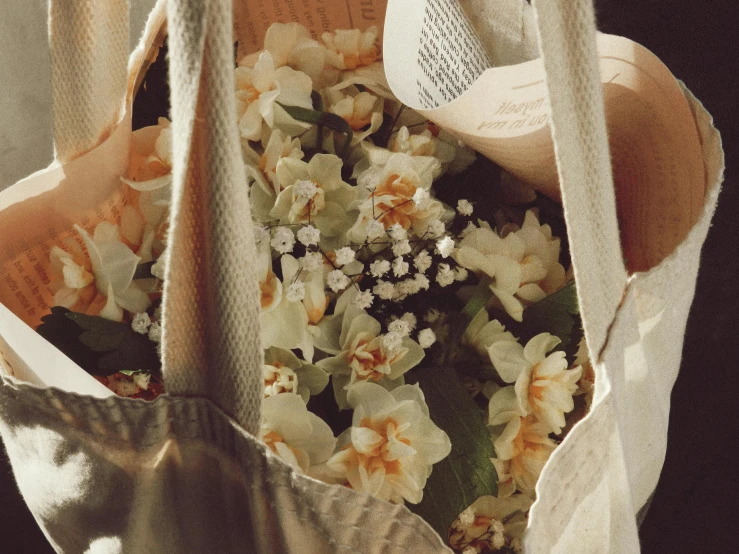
(467, 473)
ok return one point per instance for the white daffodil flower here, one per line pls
(375, 157)
(284, 372)
(290, 44)
(149, 174)
(524, 265)
(459, 155)
(543, 384)
(111, 265)
(284, 323)
(390, 448)
(481, 333)
(329, 208)
(371, 77)
(260, 90)
(389, 198)
(363, 111)
(361, 354)
(73, 280)
(316, 300)
(586, 385)
(262, 170)
(350, 49)
(480, 526)
(522, 449)
(299, 437)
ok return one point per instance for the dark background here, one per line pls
(695, 508)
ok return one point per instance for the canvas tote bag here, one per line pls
(185, 474)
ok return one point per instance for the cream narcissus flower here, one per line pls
(586, 385)
(361, 110)
(392, 445)
(109, 271)
(296, 435)
(522, 449)
(290, 44)
(284, 372)
(261, 88)
(371, 77)
(149, 174)
(390, 198)
(151, 153)
(543, 384)
(481, 333)
(425, 162)
(262, 169)
(361, 354)
(73, 281)
(420, 144)
(523, 265)
(461, 155)
(350, 49)
(480, 528)
(314, 193)
(284, 323)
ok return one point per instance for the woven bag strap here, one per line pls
(211, 309)
(567, 36)
(88, 42)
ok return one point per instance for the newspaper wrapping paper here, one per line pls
(117, 475)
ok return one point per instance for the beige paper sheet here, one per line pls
(436, 64)
(253, 17)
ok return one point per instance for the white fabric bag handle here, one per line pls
(211, 342)
(567, 42)
(88, 42)
(211, 334)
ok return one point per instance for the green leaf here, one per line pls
(479, 299)
(98, 345)
(557, 314)
(330, 120)
(481, 295)
(64, 333)
(467, 473)
(121, 346)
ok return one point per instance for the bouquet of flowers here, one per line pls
(421, 335)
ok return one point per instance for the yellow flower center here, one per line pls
(303, 209)
(396, 204)
(268, 289)
(353, 61)
(368, 360)
(278, 378)
(379, 457)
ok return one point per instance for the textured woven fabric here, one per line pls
(212, 343)
(178, 476)
(185, 474)
(89, 51)
(566, 33)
